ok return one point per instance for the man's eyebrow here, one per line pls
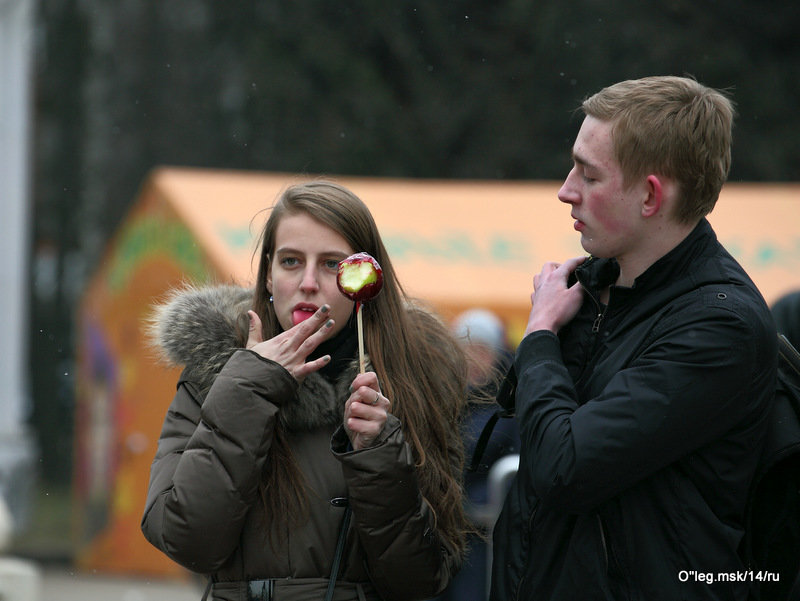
(580, 160)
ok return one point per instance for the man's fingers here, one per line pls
(560, 271)
(571, 264)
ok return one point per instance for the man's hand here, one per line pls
(554, 303)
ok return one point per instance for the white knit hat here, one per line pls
(482, 326)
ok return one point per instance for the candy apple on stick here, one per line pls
(359, 278)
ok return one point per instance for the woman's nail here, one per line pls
(324, 308)
(329, 323)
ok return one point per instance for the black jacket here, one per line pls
(640, 425)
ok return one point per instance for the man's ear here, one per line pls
(655, 196)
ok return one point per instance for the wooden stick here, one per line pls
(360, 323)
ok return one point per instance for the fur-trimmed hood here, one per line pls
(199, 328)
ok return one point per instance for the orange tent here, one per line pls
(455, 244)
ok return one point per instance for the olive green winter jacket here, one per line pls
(204, 508)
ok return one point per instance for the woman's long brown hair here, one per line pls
(420, 365)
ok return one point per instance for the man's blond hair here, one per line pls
(670, 126)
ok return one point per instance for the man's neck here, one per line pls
(654, 246)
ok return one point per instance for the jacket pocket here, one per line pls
(616, 575)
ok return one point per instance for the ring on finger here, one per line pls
(377, 396)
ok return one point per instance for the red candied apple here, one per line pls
(359, 277)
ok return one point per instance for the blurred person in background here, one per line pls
(483, 335)
(646, 373)
(273, 431)
(485, 341)
(786, 312)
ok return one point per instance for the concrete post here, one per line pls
(17, 453)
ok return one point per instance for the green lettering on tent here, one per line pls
(236, 238)
(459, 247)
(147, 237)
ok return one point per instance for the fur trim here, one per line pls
(319, 402)
(200, 328)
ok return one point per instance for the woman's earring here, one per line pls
(270, 299)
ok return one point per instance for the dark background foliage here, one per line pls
(462, 89)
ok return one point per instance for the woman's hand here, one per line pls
(366, 410)
(292, 347)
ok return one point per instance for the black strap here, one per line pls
(483, 440)
(790, 354)
(339, 551)
(337, 558)
(506, 399)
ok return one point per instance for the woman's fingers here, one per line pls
(365, 411)
(305, 368)
(255, 335)
(308, 339)
(292, 347)
(305, 329)
(368, 398)
(368, 379)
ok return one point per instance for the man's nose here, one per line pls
(567, 193)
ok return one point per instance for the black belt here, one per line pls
(260, 590)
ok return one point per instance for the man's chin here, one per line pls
(592, 249)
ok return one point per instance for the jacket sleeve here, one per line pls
(695, 381)
(396, 526)
(208, 466)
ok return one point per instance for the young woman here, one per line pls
(275, 444)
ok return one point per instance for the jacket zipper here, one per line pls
(595, 329)
(597, 321)
(530, 531)
(601, 311)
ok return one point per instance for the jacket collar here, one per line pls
(595, 274)
(199, 328)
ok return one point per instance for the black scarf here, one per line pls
(343, 349)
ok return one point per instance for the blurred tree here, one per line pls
(57, 207)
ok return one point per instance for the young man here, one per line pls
(646, 370)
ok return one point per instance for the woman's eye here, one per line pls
(289, 261)
(332, 264)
